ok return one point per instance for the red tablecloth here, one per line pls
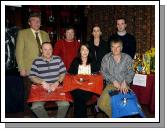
(92, 83)
(146, 95)
(37, 93)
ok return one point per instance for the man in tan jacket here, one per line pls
(28, 48)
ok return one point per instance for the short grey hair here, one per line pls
(116, 40)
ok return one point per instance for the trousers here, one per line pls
(80, 98)
(104, 100)
(40, 111)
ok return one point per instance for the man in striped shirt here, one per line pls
(49, 71)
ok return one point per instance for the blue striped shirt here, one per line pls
(48, 71)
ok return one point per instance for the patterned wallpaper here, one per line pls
(140, 22)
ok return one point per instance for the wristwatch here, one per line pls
(59, 82)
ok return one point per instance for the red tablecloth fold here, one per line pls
(92, 83)
(146, 95)
(37, 93)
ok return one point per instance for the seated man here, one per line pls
(117, 69)
(48, 71)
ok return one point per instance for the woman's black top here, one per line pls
(75, 65)
(98, 52)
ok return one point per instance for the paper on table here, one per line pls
(140, 80)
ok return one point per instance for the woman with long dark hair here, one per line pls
(98, 46)
(81, 65)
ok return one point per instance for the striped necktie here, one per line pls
(39, 43)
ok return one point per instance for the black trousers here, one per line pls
(27, 86)
(80, 98)
(14, 92)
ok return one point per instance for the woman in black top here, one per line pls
(98, 46)
(81, 65)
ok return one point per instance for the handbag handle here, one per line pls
(116, 92)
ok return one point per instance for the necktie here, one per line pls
(39, 43)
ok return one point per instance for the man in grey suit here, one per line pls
(28, 47)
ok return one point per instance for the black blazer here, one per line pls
(75, 65)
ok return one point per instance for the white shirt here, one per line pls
(121, 33)
(39, 34)
(84, 69)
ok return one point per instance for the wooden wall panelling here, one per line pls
(140, 21)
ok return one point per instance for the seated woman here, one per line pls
(117, 69)
(81, 65)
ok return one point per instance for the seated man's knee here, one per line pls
(104, 104)
(100, 104)
(63, 104)
(36, 105)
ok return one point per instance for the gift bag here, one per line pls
(124, 105)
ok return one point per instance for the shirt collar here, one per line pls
(45, 59)
(35, 31)
(121, 33)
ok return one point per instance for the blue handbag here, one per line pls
(124, 105)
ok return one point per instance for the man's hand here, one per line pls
(23, 73)
(124, 87)
(124, 90)
(117, 85)
(45, 85)
(54, 86)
